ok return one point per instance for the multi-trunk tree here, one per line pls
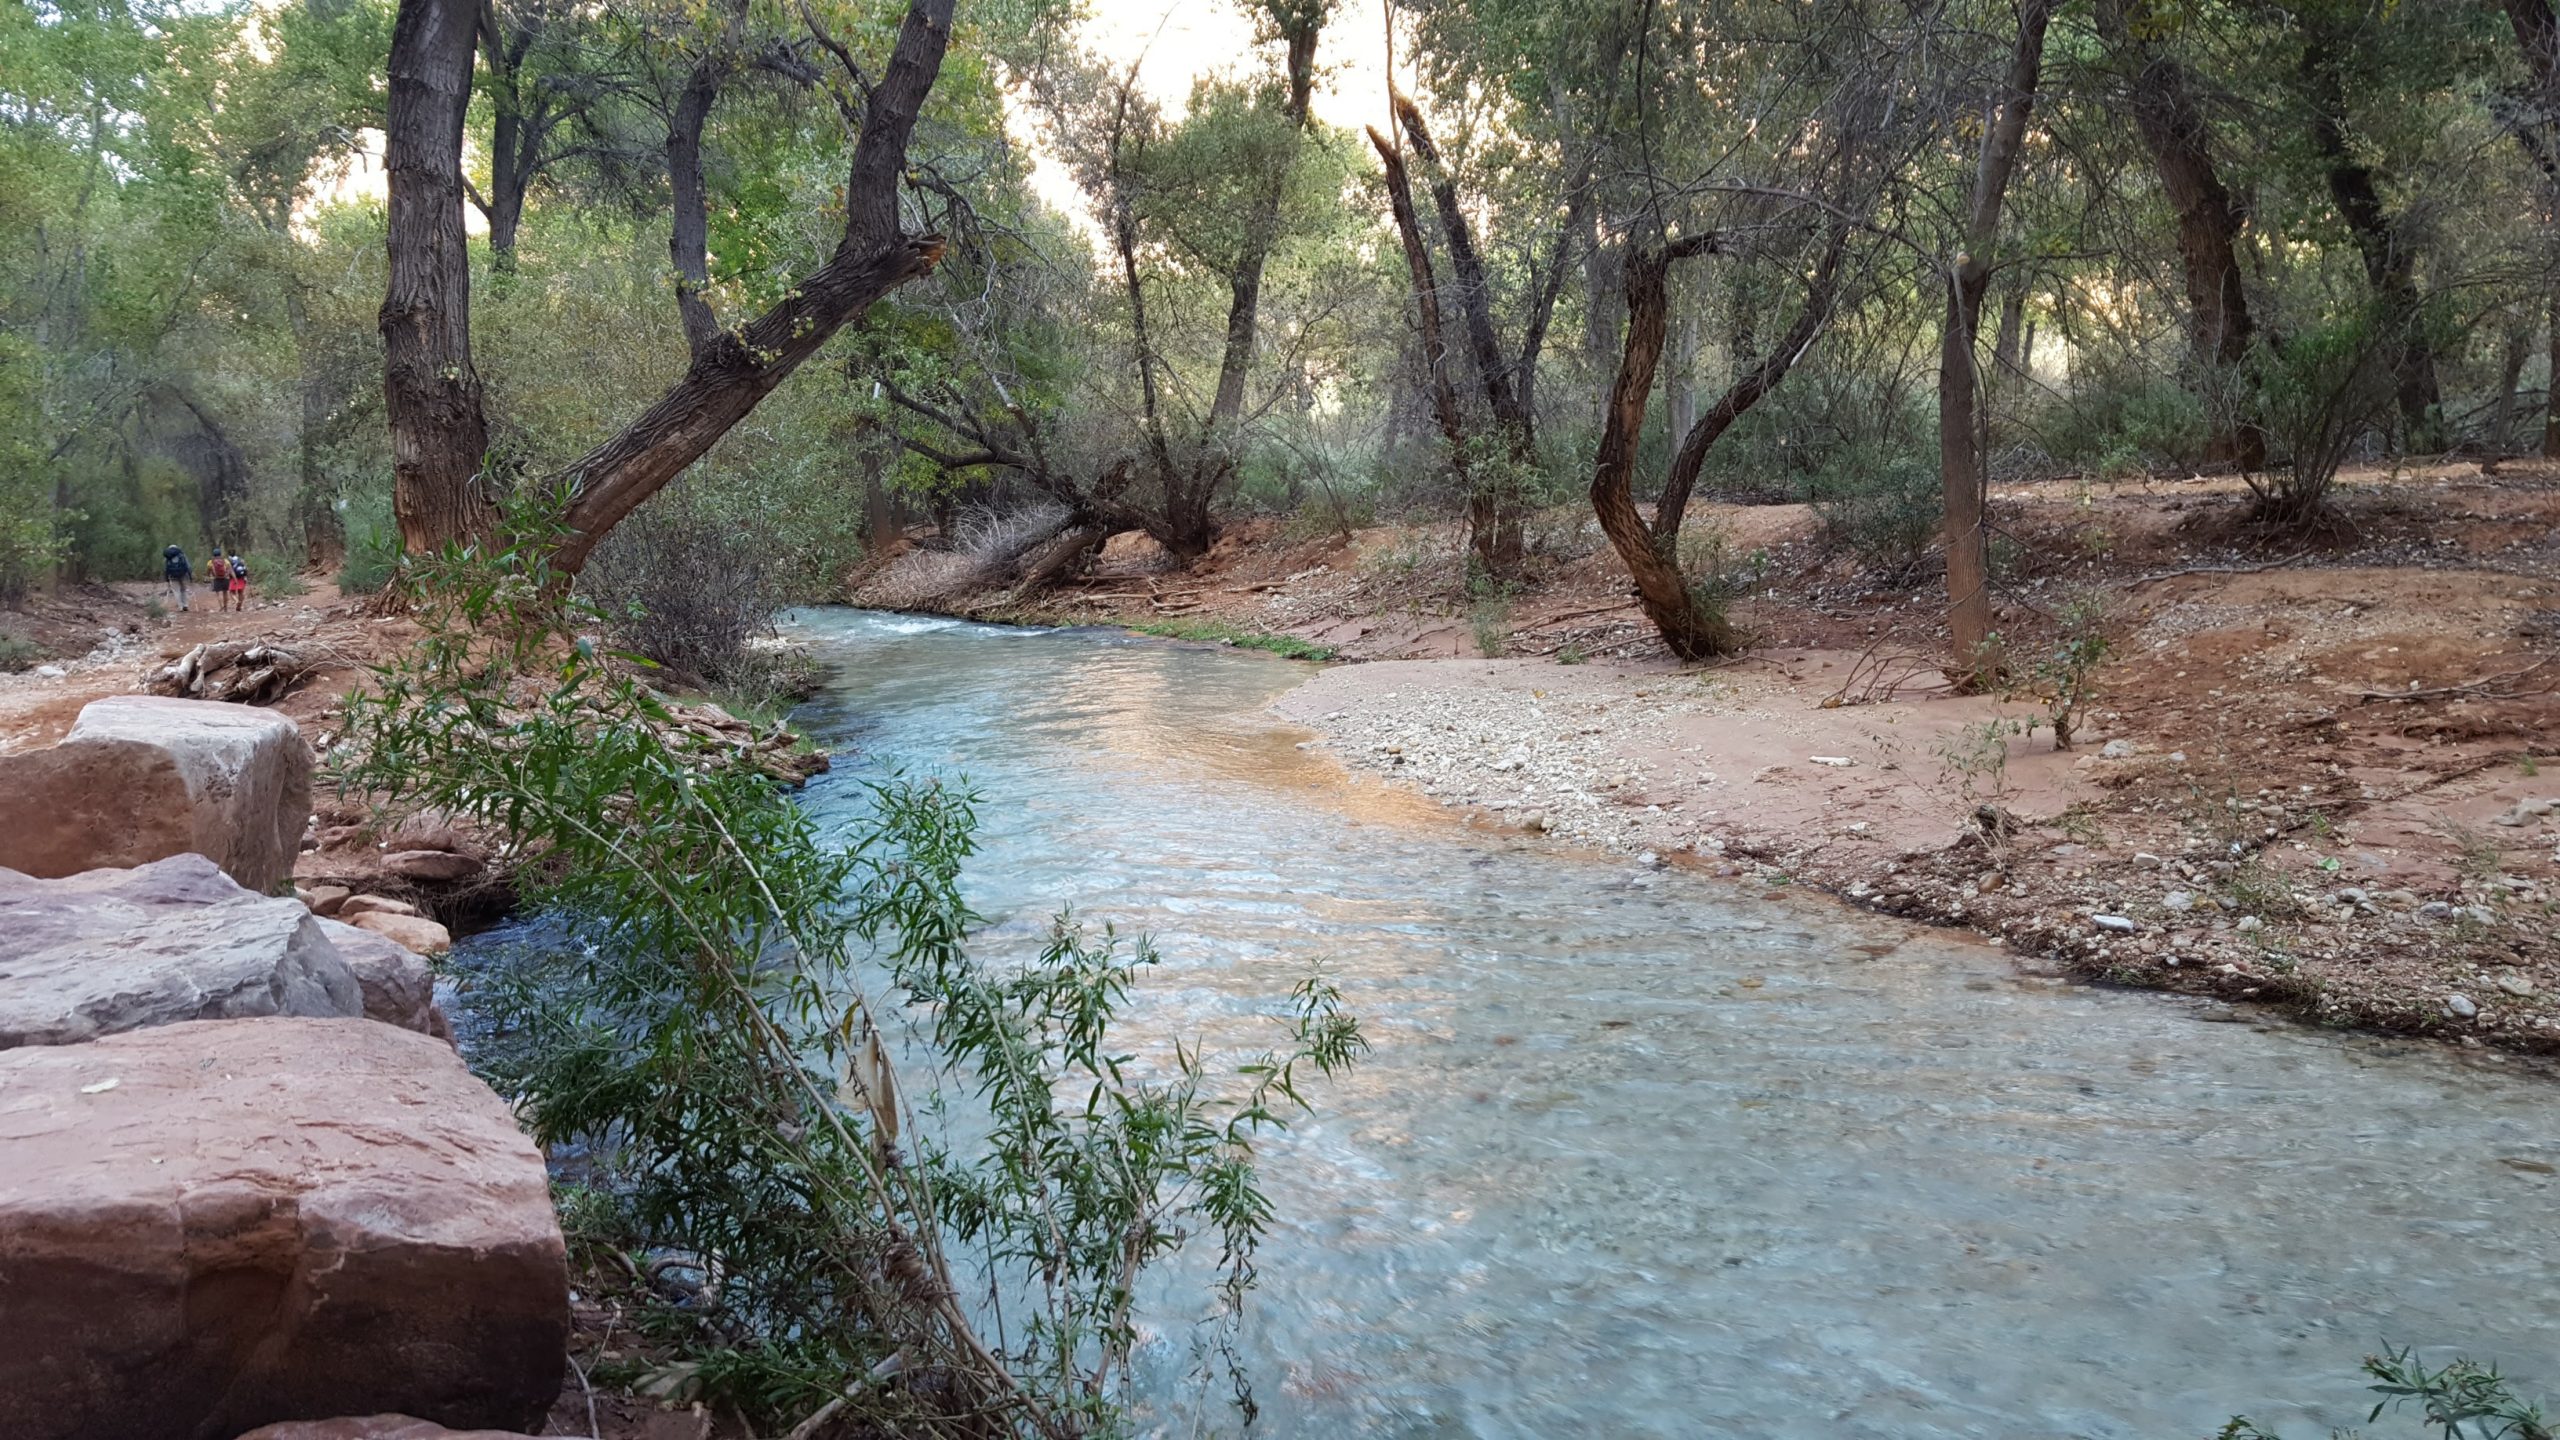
(442, 488)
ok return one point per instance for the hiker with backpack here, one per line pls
(175, 569)
(217, 574)
(239, 591)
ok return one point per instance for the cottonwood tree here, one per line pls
(433, 397)
(1184, 210)
(1967, 276)
(2168, 114)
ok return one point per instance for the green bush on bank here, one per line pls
(748, 1022)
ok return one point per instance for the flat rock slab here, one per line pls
(114, 950)
(141, 778)
(213, 1226)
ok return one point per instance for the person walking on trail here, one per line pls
(175, 569)
(239, 581)
(217, 575)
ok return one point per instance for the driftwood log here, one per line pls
(247, 672)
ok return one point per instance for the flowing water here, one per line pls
(1656, 1154)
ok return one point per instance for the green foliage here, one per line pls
(726, 1037)
(2125, 418)
(373, 546)
(17, 653)
(2318, 395)
(1884, 510)
(1219, 632)
(2462, 1401)
(2064, 675)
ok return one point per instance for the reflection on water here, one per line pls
(1645, 1154)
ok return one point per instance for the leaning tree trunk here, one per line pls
(689, 232)
(732, 375)
(1968, 276)
(1498, 538)
(1693, 631)
(431, 393)
(1435, 346)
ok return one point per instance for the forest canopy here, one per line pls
(1869, 255)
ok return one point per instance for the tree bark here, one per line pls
(324, 535)
(1299, 23)
(2551, 402)
(689, 232)
(1968, 276)
(2537, 33)
(431, 393)
(1822, 297)
(1481, 519)
(2390, 260)
(1693, 630)
(729, 377)
(2219, 326)
(1500, 545)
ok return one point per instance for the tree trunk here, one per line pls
(2004, 341)
(1680, 379)
(2502, 415)
(431, 393)
(1822, 296)
(689, 232)
(1694, 631)
(743, 365)
(1299, 25)
(2390, 260)
(1968, 276)
(324, 535)
(2551, 402)
(1481, 521)
(2219, 326)
(1604, 312)
(1500, 544)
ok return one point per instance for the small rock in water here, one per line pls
(2516, 983)
(2116, 750)
(2460, 1007)
(2116, 923)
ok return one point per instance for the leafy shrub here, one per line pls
(1884, 511)
(687, 589)
(373, 546)
(2125, 418)
(710, 1035)
(2462, 1401)
(2065, 676)
(2317, 396)
(17, 653)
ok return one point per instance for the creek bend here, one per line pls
(1651, 1154)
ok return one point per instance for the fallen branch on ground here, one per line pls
(2484, 688)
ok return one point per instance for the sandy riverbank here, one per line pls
(2314, 778)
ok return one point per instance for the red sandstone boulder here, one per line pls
(415, 932)
(142, 778)
(213, 1226)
